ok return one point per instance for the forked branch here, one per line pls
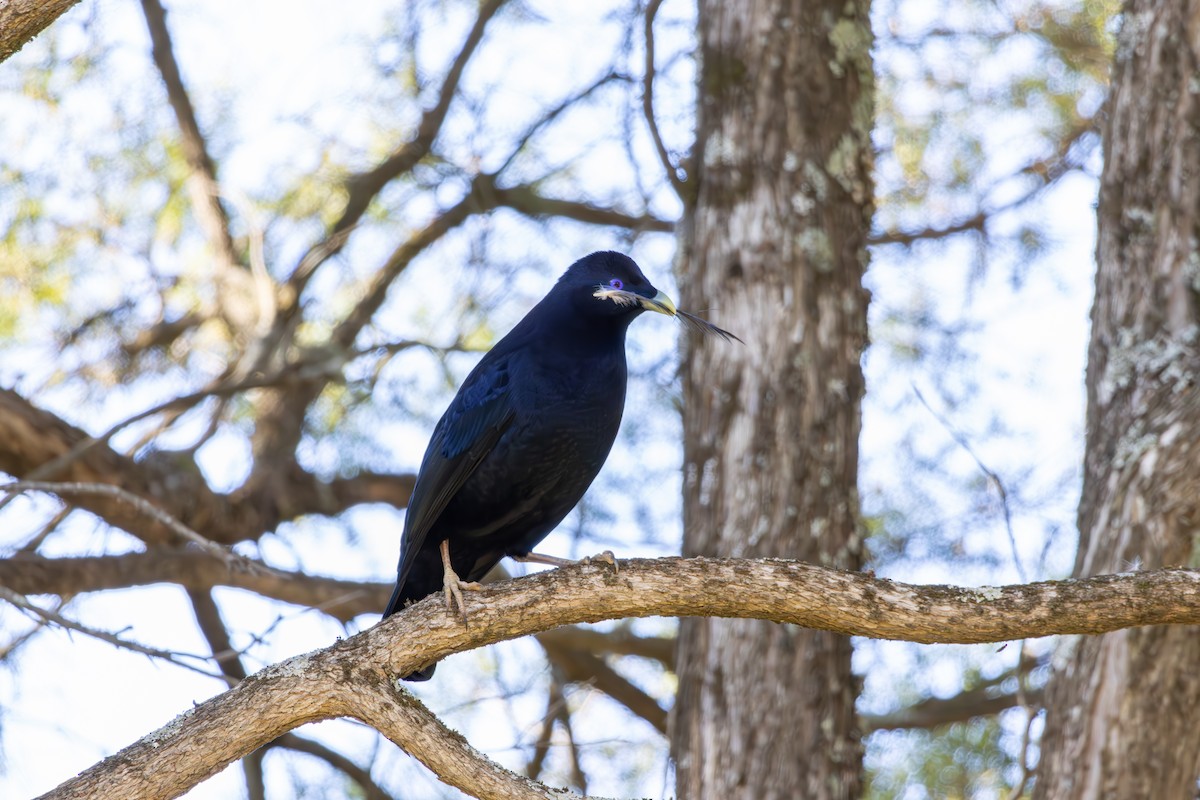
(356, 677)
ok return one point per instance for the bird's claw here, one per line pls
(453, 587)
(608, 557)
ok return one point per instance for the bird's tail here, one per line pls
(413, 589)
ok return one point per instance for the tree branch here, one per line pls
(528, 201)
(677, 182)
(364, 187)
(281, 414)
(370, 789)
(21, 20)
(54, 618)
(194, 569)
(205, 190)
(35, 442)
(355, 677)
(579, 666)
(1046, 171)
(937, 711)
(245, 298)
(481, 198)
(619, 642)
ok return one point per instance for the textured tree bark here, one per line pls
(1122, 708)
(774, 242)
(355, 677)
(21, 20)
(34, 441)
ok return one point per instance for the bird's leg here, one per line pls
(452, 585)
(554, 561)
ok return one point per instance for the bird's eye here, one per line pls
(616, 283)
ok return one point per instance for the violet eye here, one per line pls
(616, 283)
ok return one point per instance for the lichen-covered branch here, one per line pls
(356, 677)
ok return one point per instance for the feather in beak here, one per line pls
(663, 305)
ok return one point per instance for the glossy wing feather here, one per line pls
(477, 417)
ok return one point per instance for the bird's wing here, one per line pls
(477, 417)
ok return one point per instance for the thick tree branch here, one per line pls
(579, 666)
(355, 677)
(937, 711)
(21, 20)
(617, 643)
(34, 441)
(208, 618)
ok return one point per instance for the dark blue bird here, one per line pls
(527, 432)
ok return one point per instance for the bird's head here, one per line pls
(610, 285)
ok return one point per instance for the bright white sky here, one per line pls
(73, 700)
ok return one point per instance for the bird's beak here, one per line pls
(660, 303)
(663, 305)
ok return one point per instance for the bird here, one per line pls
(526, 434)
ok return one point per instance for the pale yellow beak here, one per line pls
(660, 303)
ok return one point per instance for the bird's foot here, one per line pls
(453, 586)
(554, 561)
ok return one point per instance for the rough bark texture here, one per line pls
(34, 441)
(21, 20)
(774, 243)
(1122, 708)
(355, 677)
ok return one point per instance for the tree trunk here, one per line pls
(774, 242)
(1122, 707)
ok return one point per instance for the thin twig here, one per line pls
(557, 111)
(206, 192)
(1023, 665)
(183, 402)
(1047, 170)
(107, 489)
(990, 474)
(365, 186)
(48, 528)
(648, 102)
(21, 602)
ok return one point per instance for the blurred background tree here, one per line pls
(249, 251)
